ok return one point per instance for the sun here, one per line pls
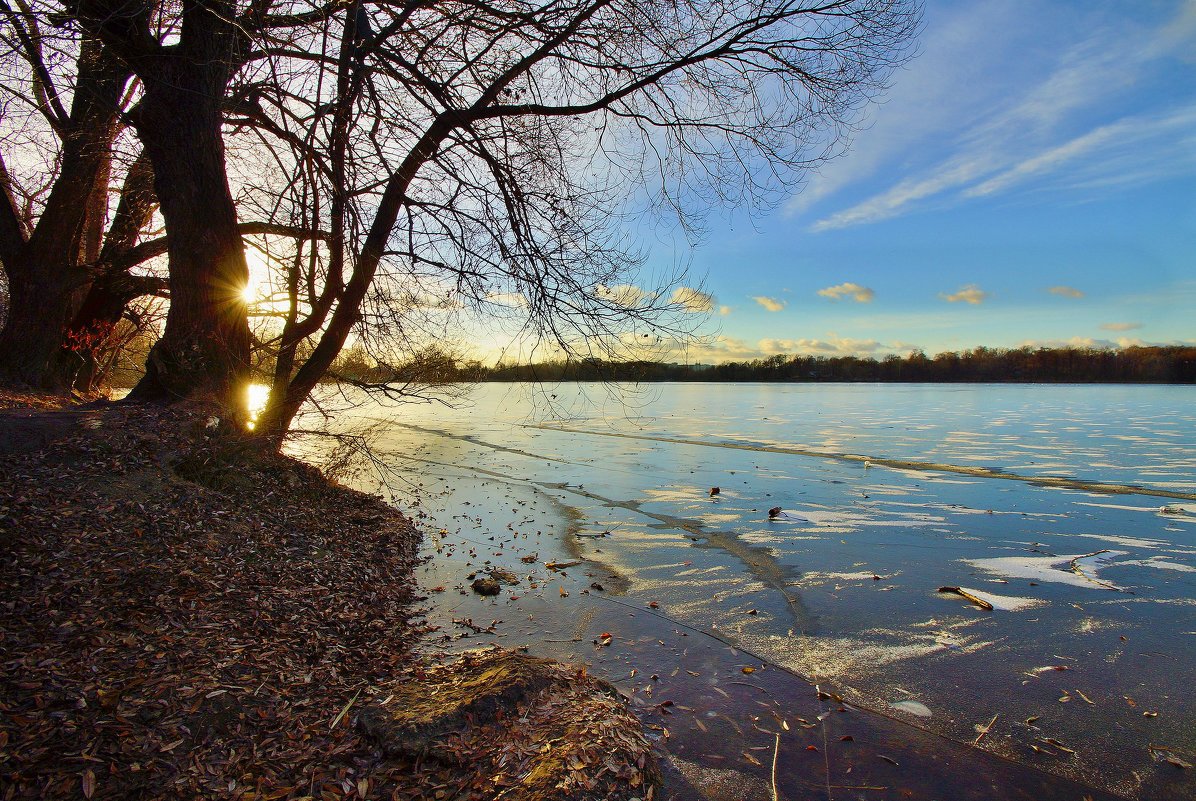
(249, 293)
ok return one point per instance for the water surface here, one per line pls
(1082, 667)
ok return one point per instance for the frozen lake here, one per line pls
(1083, 667)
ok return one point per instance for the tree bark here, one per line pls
(204, 349)
(46, 280)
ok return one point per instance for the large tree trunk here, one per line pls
(37, 314)
(205, 347)
(46, 282)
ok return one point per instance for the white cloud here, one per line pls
(1102, 344)
(513, 299)
(692, 300)
(725, 349)
(1073, 342)
(1066, 291)
(835, 346)
(769, 304)
(628, 295)
(970, 294)
(1120, 326)
(714, 350)
(723, 311)
(860, 294)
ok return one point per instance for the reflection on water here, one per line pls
(1091, 642)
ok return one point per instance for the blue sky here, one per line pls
(1030, 178)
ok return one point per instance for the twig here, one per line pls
(776, 751)
(985, 730)
(337, 719)
(748, 684)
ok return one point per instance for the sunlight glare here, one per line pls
(256, 396)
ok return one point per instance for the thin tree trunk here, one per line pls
(112, 289)
(276, 418)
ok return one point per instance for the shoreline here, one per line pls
(653, 543)
(716, 723)
(188, 616)
(720, 710)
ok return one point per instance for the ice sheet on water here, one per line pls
(1160, 562)
(1052, 568)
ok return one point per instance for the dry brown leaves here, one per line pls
(160, 640)
(574, 739)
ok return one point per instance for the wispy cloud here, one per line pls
(1120, 326)
(926, 98)
(692, 300)
(723, 311)
(1066, 291)
(858, 293)
(1127, 137)
(970, 294)
(894, 201)
(1045, 125)
(769, 304)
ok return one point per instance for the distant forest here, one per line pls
(1176, 365)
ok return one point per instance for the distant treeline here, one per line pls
(1059, 365)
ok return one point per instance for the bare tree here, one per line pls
(51, 226)
(424, 158)
(485, 157)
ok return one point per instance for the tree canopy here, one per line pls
(406, 160)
